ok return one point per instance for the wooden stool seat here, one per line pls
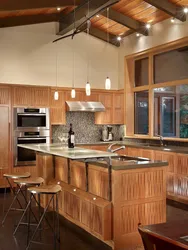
(17, 176)
(30, 181)
(45, 189)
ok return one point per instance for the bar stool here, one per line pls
(10, 177)
(52, 191)
(26, 183)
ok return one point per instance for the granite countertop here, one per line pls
(183, 150)
(78, 153)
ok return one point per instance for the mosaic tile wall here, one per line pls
(84, 128)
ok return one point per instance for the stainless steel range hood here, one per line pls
(85, 106)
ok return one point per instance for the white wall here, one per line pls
(28, 56)
(160, 33)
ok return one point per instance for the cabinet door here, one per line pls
(71, 205)
(5, 95)
(118, 108)
(31, 96)
(80, 95)
(57, 108)
(105, 117)
(94, 97)
(40, 97)
(4, 137)
(22, 96)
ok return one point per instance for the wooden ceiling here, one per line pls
(125, 17)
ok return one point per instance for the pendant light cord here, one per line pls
(88, 56)
(107, 31)
(56, 66)
(73, 53)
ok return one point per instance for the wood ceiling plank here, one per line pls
(11, 5)
(25, 20)
(168, 7)
(155, 17)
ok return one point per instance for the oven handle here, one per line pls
(33, 114)
(27, 139)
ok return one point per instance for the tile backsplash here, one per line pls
(84, 128)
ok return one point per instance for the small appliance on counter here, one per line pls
(107, 134)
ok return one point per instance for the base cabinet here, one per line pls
(93, 215)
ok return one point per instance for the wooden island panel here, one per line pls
(81, 208)
(61, 169)
(139, 196)
(78, 174)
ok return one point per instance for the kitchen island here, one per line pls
(105, 194)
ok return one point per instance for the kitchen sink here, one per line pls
(127, 158)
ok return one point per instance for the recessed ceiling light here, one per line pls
(172, 20)
(137, 34)
(58, 8)
(119, 38)
(185, 10)
(148, 25)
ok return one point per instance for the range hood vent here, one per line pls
(85, 106)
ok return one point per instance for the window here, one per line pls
(141, 112)
(141, 72)
(171, 111)
(171, 65)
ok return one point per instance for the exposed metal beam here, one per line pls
(81, 13)
(103, 36)
(168, 7)
(25, 20)
(127, 21)
(10, 5)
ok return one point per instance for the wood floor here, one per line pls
(72, 238)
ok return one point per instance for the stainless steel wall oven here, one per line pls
(31, 118)
(26, 157)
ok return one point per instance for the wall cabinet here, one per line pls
(80, 95)
(5, 95)
(31, 96)
(57, 108)
(118, 108)
(114, 105)
(105, 117)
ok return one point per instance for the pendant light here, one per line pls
(108, 81)
(88, 86)
(73, 91)
(56, 94)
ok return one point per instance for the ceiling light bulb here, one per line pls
(88, 89)
(185, 10)
(119, 38)
(137, 34)
(73, 93)
(56, 95)
(148, 25)
(58, 8)
(108, 83)
(97, 16)
(172, 20)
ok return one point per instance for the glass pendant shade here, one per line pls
(73, 93)
(56, 95)
(108, 83)
(88, 89)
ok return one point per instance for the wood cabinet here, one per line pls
(57, 108)
(114, 105)
(94, 97)
(4, 137)
(31, 96)
(118, 108)
(80, 95)
(78, 174)
(5, 95)
(93, 215)
(105, 117)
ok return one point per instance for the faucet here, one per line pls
(109, 149)
(161, 140)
